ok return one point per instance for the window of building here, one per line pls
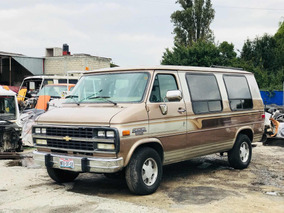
(162, 84)
(238, 92)
(205, 94)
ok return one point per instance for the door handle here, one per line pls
(181, 110)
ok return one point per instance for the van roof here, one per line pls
(51, 76)
(173, 68)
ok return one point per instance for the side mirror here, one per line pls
(174, 95)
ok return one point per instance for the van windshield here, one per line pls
(110, 88)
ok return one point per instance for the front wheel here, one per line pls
(144, 172)
(61, 176)
(240, 155)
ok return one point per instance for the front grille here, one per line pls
(77, 139)
(71, 132)
(78, 145)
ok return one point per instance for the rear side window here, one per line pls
(73, 81)
(205, 94)
(238, 92)
(62, 81)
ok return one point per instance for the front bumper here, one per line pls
(81, 164)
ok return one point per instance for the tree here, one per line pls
(226, 53)
(279, 38)
(191, 24)
(261, 52)
(264, 56)
(112, 64)
(201, 53)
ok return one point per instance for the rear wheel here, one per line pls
(61, 176)
(240, 155)
(144, 172)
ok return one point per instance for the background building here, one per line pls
(57, 61)
(15, 67)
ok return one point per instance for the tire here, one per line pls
(144, 172)
(61, 176)
(20, 147)
(240, 155)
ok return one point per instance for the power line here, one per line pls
(220, 6)
(248, 8)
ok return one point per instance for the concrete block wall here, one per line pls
(54, 51)
(78, 62)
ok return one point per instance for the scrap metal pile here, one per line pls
(9, 137)
(274, 121)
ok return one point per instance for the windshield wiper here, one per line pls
(104, 98)
(72, 97)
(90, 96)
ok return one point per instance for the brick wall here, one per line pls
(60, 65)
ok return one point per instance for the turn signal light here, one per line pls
(125, 132)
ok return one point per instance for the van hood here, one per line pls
(82, 115)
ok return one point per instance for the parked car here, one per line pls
(56, 90)
(134, 121)
(9, 130)
(50, 96)
(33, 84)
(50, 92)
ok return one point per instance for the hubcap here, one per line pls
(149, 171)
(244, 151)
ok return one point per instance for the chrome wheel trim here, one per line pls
(244, 152)
(149, 171)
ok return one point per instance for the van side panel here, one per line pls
(169, 128)
(216, 132)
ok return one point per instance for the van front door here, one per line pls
(167, 120)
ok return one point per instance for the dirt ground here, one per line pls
(204, 184)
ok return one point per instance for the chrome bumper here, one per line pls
(81, 164)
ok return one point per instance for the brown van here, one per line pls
(134, 121)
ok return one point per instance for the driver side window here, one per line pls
(162, 84)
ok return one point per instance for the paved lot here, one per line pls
(205, 184)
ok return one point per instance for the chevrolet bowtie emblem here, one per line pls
(67, 138)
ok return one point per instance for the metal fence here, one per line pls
(274, 97)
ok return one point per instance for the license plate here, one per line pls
(66, 163)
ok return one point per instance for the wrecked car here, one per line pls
(274, 121)
(33, 84)
(9, 130)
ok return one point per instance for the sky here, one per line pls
(131, 32)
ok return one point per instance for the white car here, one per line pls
(9, 113)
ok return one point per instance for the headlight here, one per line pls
(37, 130)
(41, 142)
(43, 130)
(101, 133)
(110, 134)
(106, 146)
